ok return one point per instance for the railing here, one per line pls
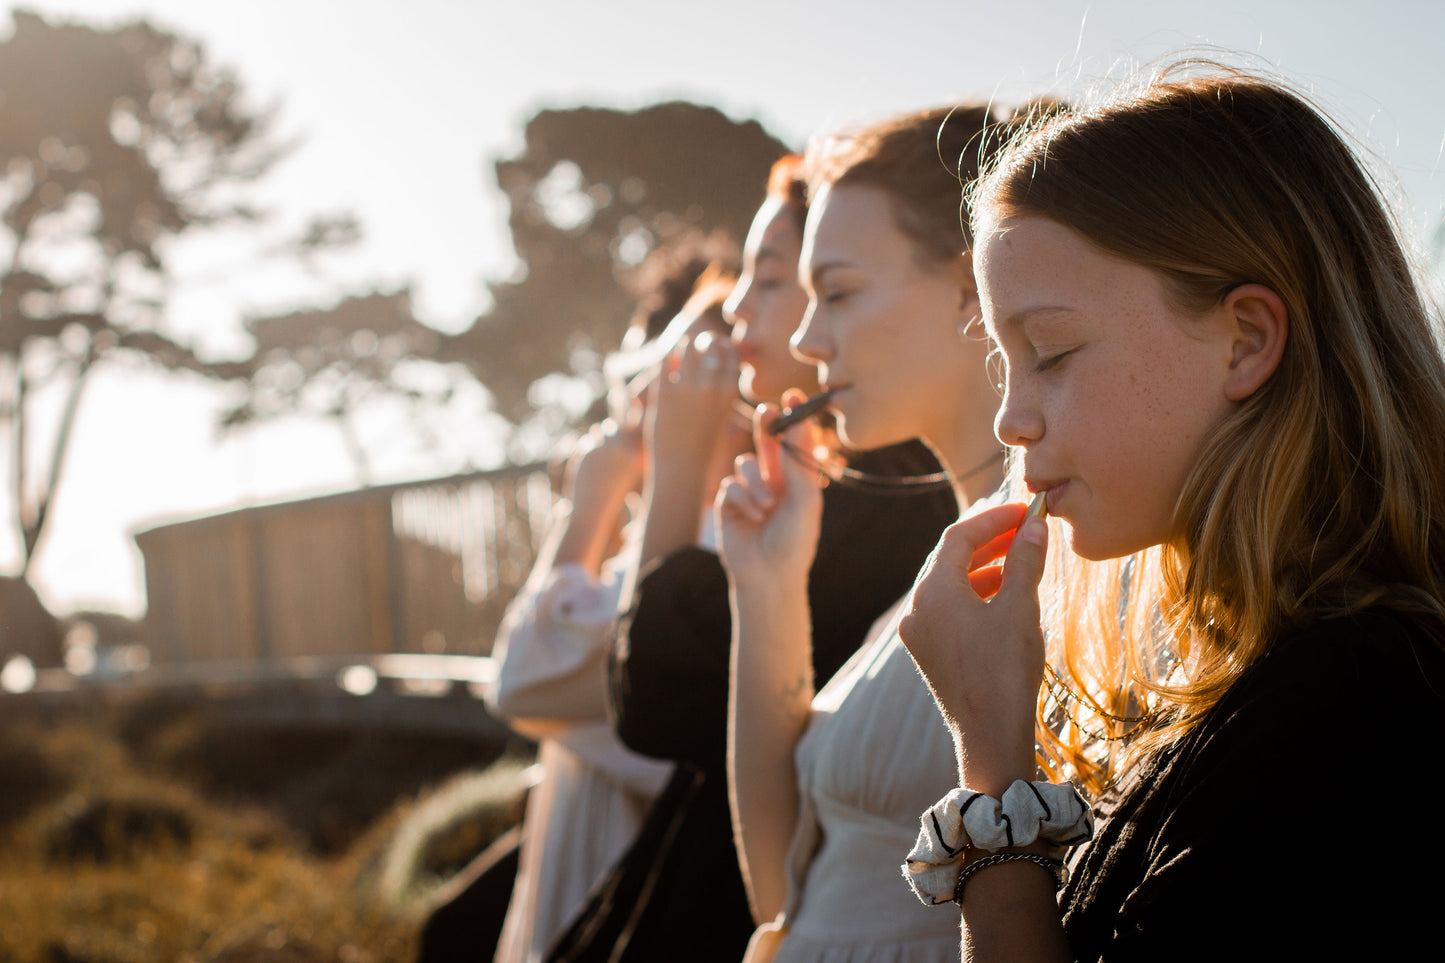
(424, 567)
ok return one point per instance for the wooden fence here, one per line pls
(418, 567)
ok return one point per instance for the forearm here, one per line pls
(1010, 913)
(589, 529)
(674, 501)
(769, 707)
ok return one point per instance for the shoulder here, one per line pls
(1361, 693)
(1375, 649)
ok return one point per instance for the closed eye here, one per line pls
(1052, 361)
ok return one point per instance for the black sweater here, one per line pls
(1297, 821)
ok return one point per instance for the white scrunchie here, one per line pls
(1054, 812)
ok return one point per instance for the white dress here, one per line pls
(594, 792)
(875, 755)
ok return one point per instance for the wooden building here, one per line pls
(419, 567)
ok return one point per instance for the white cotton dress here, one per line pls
(594, 792)
(875, 755)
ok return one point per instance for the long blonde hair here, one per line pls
(1324, 492)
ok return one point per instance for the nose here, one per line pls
(738, 308)
(810, 342)
(1019, 422)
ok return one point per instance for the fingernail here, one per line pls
(1035, 531)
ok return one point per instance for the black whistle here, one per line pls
(802, 412)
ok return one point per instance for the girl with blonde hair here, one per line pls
(1224, 379)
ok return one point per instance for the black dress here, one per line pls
(1297, 821)
(678, 892)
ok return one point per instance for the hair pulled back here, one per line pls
(923, 160)
(788, 184)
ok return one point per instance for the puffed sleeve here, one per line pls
(551, 647)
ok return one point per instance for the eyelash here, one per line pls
(1052, 361)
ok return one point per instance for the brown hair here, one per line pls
(1324, 492)
(710, 291)
(667, 279)
(923, 160)
(788, 184)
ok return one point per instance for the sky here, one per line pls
(400, 108)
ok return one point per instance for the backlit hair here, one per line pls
(922, 160)
(788, 184)
(1320, 495)
(709, 292)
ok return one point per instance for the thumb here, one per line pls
(1024, 565)
(804, 437)
(768, 449)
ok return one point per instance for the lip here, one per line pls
(1056, 487)
(1056, 494)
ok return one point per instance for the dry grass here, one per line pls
(105, 859)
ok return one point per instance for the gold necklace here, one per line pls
(1063, 695)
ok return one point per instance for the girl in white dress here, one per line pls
(552, 644)
(827, 786)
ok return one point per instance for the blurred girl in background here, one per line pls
(552, 646)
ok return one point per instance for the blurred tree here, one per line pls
(331, 363)
(113, 142)
(592, 193)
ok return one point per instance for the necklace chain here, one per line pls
(887, 484)
(1063, 695)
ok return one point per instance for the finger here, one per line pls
(975, 534)
(681, 361)
(1024, 565)
(733, 502)
(993, 550)
(986, 580)
(749, 473)
(804, 436)
(748, 494)
(717, 360)
(769, 450)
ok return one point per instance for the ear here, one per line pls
(1258, 327)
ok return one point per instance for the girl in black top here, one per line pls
(1223, 376)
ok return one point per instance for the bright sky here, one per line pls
(402, 107)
